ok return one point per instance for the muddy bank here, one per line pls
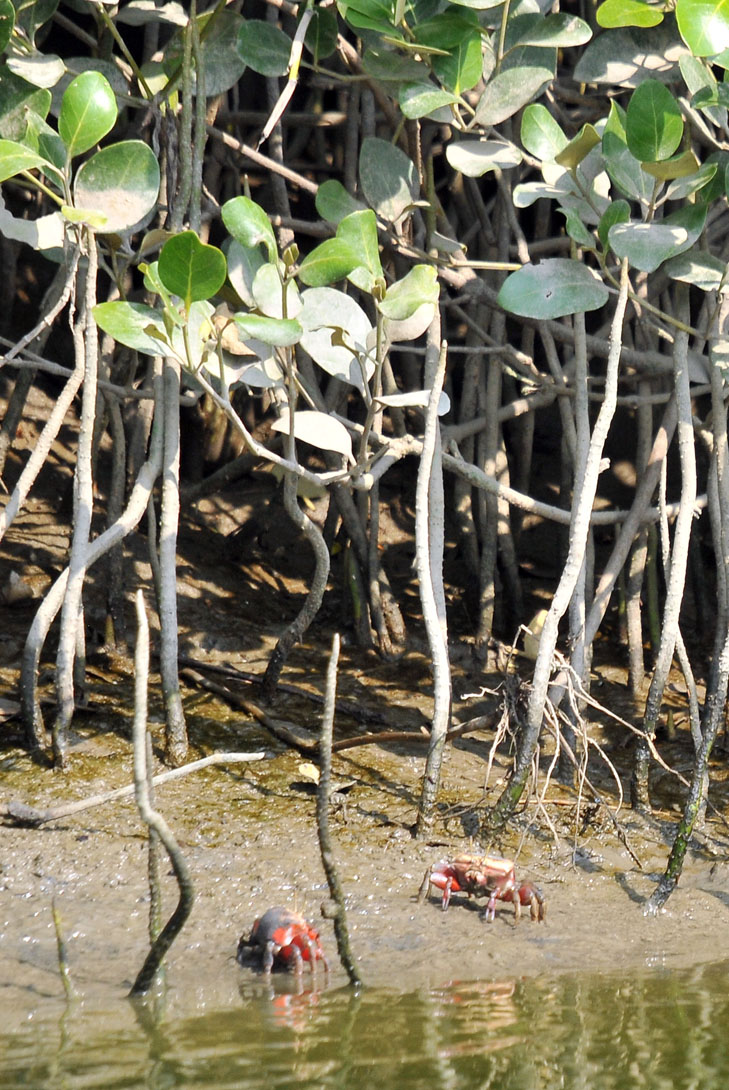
(249, 836)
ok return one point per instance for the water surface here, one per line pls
(653, 1028)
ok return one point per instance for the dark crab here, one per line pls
(284, 939)
(484, 876)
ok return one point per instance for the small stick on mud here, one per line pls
(155, 821)
(322, 819)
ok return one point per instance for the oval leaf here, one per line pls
(704, 26)
(249, 224)
(328, 262)
(647, 245)
(421, 99)
(122, 182)
(614, 13)
(318, 429)
(552, 289)
(333, 202)
(88, 112)
(190, 268)
(541, 135)
(133, 324)
(263, 47)
(359, 232)
(475, 157)
(388, 178)
(509, 90)
(654, 124)
(405, 296)
(280, 332)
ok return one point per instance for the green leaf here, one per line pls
(154, 283)
(446, 30)
(321, 34)
(368, 14)
(681, 188)
(328, 262)
(578, 148)
(281, 332)
(133, 324)
(333, 202)
(475, 157)
(15, 158)
(88, 112)
(682, 165)
(122, 182)
(40, 69)
(509, 90)
(648, 245)
(248, 223)
(422, 99)
(461, 69)
(704, 26)
(264, 47)
(617, 212)
(17, 97)
(577, 231)
(404, 297)
(541, 135)
(191, 268)
(388, 178)
(385, 64)
(554, 288)
(7, 22)
(702, 85)
(558, 31)
(699, 268)
(614, 13)
(654, 124)
(627, 56)
(621, 165)
(706, 97)
(359, 231)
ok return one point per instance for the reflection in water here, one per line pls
(658, 1029)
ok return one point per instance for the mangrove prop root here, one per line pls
(148, 973)
(322, 820)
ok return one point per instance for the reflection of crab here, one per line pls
(483, 876)
(283, 938)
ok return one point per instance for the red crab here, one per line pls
(283, 938)
(483, 876)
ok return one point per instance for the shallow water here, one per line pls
(654, 1028)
